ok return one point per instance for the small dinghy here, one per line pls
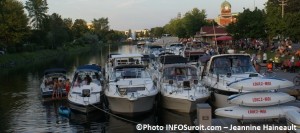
(65, 111)
(261, 98)
(243, 112)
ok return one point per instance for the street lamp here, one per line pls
(283, 3)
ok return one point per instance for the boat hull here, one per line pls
(124, 106)
(243, 112)
(261, 98)
(84, 108)
(260, 84)
(181, 105)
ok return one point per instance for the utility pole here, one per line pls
(283, 3)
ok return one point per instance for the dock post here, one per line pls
(204, 115)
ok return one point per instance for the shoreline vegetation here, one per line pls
(18, 60)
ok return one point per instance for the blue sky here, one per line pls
(141, 14)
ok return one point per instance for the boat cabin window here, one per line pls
(126, 73)
(238, 64)
(180, 73)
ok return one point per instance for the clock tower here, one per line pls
(226, 17)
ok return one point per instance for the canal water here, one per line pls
(23, 110)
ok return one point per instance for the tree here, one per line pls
(147, 33)
(79, 28)
(250, 24)
(13, 23)
(58, 33)
(193, 21)
(37, 10)
(274, 22)
(101, 27)
(157, 32)
(176, 27)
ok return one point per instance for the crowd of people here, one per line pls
(58, 85)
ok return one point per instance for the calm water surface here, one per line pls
(23, 110)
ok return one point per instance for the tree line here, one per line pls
(38, 30)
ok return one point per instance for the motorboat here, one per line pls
(193, 52)
(86, 93)
(48, 81)
(230, 74)
(179, 85)
(176, 48)
(131, 90)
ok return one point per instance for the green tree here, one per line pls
(292, 22)
(176, 27)
(13, 23)
(274, 22)
(193, 21)
(58, 33)
(250, 24)
(79, 28)
(101, 27)
(68, 23)
(157, 32)
(147, 34)
(37, 10)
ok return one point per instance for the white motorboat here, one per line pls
(180, 87)
(131, 90)
(258, 113)
(230, 74)
(176, 48)
(48, 81)
(261, 98)
(193, 52)
(86, 92)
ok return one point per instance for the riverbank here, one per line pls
(12, 61)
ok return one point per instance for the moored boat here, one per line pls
(179, 85)
(50, 75)
(230, 74)
(86, 92)
(131, 90)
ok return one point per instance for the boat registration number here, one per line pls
(261, 99)
(261, 83)
(257, 111)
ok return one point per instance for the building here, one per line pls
(226, 17)
(209, 33)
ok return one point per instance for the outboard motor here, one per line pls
(86, 93)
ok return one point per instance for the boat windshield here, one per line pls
(180, 73)
(130, 73)
(234, 64)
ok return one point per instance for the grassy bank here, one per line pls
(10, 61)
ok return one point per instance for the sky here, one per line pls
(141, 14)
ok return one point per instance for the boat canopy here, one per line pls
(55, 70)
(172, 59)
(93, 67)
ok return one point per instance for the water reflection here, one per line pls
(23, 110)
